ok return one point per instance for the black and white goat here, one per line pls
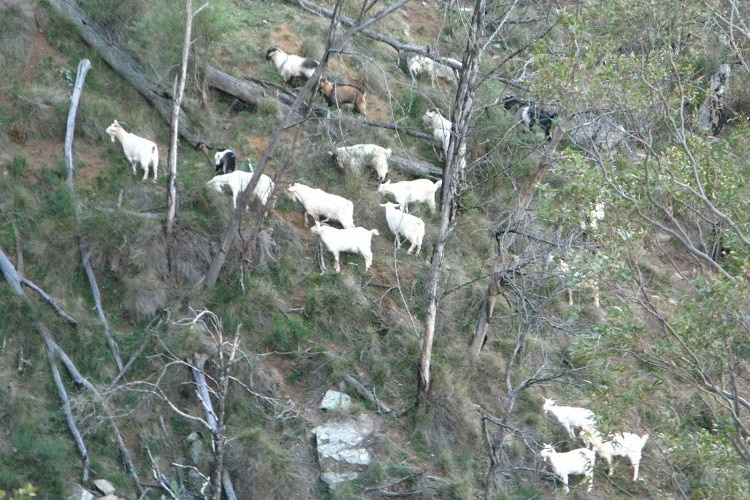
(291, 66)
(530, 114)
(225, 161)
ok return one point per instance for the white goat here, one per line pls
(418, 190)
(569, 416)
(578, 279)
(359, 156)
(441, 128)
(400, 223)
(441, 133)
(620, 444)
(355, 239)
(317, 203)
(420, 65)
(291, 66)
(579, 462)
(238, 181)
(137, 149)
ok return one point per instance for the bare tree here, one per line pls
(178, 91)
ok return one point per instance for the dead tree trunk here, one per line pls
(453, 185)
(505, 241)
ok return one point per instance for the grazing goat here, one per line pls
(238, 181)
(400, 223)
(337, 94)
(418, 190)
(579, 462)
(419, 65)
(621, 444)
(360, 155)
(530, 114)
(569, 416)
(291, 66)
(317, 203)
(225, 160)
(354, 239)
(137, 149)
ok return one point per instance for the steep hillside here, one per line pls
(275, 333)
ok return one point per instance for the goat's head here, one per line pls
(325, 87)
(270, 53)
(430, 115)
(548, 405)
(383, 185)
(547, 450)
(113, 130)
(203, 147)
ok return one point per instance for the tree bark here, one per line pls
(416, 168)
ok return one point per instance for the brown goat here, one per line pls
(343, 93)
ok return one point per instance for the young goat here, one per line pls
(529, 114)
(360, 155)
(137, 149)
(621, 444)
(569, 416)
(337, 94)
(225, 160)
(291, 66)
(400, 223)
(317, 203)
(238, 181)
(579, 462)
(405, 192)
(355, 239)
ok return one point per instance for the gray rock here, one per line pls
(104, 486)
(334, 400)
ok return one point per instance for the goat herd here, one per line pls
(318, 204)
(581, 460)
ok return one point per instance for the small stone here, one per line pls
(104, 486)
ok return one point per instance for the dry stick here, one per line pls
(362, 391)
(53, 304)
(69, 416)
(83, 68)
